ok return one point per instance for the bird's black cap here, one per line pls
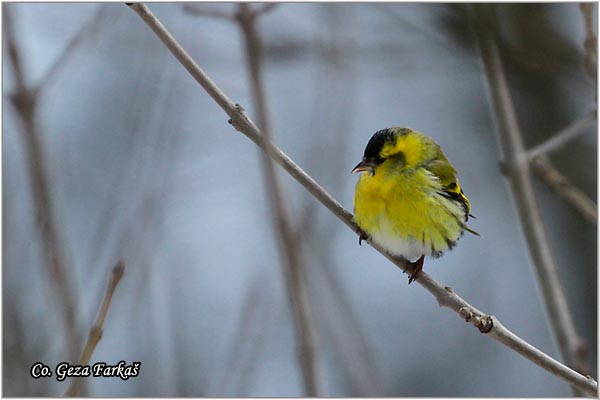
(377, 141)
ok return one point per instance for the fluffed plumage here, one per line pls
(408, 198)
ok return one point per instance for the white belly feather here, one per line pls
(409, 248)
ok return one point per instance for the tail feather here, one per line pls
(471, 231)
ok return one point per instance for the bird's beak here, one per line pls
(364, 165)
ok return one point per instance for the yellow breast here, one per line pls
(406, 214)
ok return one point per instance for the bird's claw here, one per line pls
(362, 236)
(417, 268)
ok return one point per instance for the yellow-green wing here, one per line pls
(445, 172)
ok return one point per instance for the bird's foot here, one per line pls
(362, 235)
(417, 268)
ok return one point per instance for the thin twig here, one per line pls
(291, 258)
(562, 185)
(25, 101)
(570, 344)
(97, 329)
(558, 140)
(444, 295)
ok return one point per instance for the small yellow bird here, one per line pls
(408, 199)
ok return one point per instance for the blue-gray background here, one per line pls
(145, 168)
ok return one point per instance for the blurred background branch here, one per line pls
(352, 348)
(293, 268)
(561, 138)
(25, 101)
(557, 181)
(563, 186)
(338, 319)
(571, 346)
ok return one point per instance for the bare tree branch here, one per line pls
(573, 130)
(553, 178)
(571, 346)
(291, 258)
(97, 329)
(445, 296)
(25, 102)
(290, 254)
(565, 189)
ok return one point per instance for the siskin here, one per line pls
(408, 199)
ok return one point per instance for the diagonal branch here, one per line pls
(565, 135)
(565, 189)
(291, 258)
(97, 329)
(553, 178)
(571, 346)
(444, 295)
